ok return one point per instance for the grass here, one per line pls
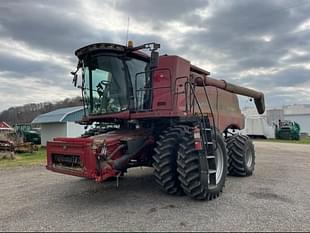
(25, 159)
(301, 141)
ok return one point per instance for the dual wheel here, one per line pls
(177, 164)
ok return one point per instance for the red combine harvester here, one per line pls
(158, 111)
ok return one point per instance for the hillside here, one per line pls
(26, 113)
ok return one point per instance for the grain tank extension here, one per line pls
(156, 111)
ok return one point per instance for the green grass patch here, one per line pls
(301, 141)
(25, 159)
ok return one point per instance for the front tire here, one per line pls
(165, 160)
(189, 168)
(241, 155)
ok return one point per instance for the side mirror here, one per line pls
(75, 73)
(154, 60)
(75, 78)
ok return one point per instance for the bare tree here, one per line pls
(27, 112)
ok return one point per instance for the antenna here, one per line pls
(128, 21)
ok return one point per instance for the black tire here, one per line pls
(190, 172)
(165, 160)
(240, 149)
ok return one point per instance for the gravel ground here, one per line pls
(275, 198)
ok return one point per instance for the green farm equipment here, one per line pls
(288, 130)
(28, 133)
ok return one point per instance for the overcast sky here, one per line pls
(261, 44)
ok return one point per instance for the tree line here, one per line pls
(27, 112)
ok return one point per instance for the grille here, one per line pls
(72, 161)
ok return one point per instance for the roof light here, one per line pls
(130, 44)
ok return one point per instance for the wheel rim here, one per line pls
(249, 158)
(219, 162)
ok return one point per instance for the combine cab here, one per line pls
(157, 111)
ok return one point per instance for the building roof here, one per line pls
(60, 115)
(5, 126)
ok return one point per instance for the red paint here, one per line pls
(169, 101)
(88, 149)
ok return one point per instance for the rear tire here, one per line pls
(190, 171)
(241, 155)
(165, 164)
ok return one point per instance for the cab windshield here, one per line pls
(109, 83)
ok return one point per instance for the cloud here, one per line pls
(17, 91)
(161, 10)
(261, 44)
(54, 28)
(248, 30)
(11, 63)
(292, 77)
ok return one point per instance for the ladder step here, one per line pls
(211, 157)
(212, 186)
(212, 171)
(207, 129)
(209, 143)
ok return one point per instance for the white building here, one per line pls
(60, 123)
(274, 115)
(297, 112)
